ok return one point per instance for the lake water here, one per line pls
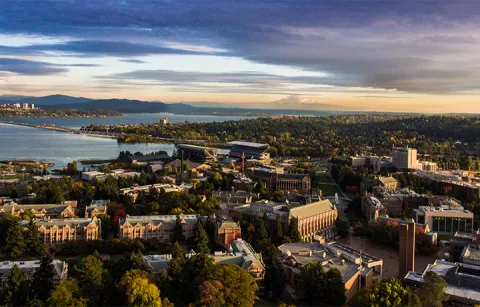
(131, 118)
(26, 143)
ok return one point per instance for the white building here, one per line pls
(405, 158)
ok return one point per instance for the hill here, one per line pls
(55, 100)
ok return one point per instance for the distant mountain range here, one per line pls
(138, 106)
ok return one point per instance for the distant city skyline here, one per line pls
(401, 56)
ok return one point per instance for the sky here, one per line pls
(419, 56)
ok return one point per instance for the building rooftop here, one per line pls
(332, 255)
(157, 219)
(99, 202)
(93, 173)
(292, 176)
(29, 266)
(312, 209)
(63, 222)
(442, 209)
(387, 180)
(249, 144)
(470, 253)
(194, 147)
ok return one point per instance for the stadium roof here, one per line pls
(194, 147)
(249, 144)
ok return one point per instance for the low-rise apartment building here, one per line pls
(159, 227)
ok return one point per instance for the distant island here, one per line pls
(15, 110)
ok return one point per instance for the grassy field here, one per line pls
(320, 169)
(329, 189)
(17, 176)
(323, 177)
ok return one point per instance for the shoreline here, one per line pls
(115, 136)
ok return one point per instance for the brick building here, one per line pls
(159, 227)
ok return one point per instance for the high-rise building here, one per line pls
(32, 107)
(406, 259)
(25, 106)
(404, 158)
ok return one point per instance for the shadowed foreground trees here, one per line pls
(388, 292)
(320, 288)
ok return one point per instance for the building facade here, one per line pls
(315, 219)
(445, 219)
(404, 158)
(58, 231)
(389, 183)
(39, 211)
(300, 183)
(227, 230)
(159, 227)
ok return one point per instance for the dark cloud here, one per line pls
(134, 61)
(35, 68)
(420, 47)
(24, 67)
(95, 49)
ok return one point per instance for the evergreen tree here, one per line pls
(33, 242)
(131, 261)
(178, 231)
(211, 230)
(278, 230)
(178, 261)
(293, 230)
(91, 275)
(16, 292)
(201, 240)
(43, 278)
(15, 243)
(274, 281)
(320, 288)
(260, 238)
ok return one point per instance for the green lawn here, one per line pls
(323, 177)
(329, 189)
(320, 169)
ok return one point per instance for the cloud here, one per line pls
(133, 61)
(95, 48)
(35, 68)
(415, 47)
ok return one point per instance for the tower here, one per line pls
(243, 162)
(406, 259)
